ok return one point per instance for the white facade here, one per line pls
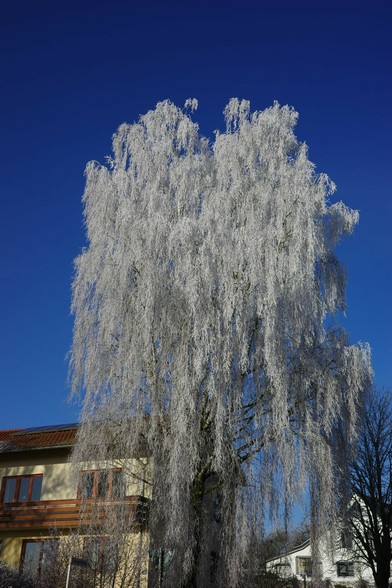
(337, 566)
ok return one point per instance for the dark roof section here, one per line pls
(48, 428)
(38, 438)
(290, 552)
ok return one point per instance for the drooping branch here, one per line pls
(200, 308)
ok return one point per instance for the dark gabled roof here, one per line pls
(290, 551)
(37, 438)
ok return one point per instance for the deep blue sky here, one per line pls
(71, 72)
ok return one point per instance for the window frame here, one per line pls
(95, 496)
(348, 565)
(99, 564)
(42, 543)
(307, 560)
(346, 539)
(19, 479)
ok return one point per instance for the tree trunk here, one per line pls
(197, 499)
(383, 573)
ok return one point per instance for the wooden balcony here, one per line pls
(68, 514)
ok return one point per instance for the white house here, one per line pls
(338, 567)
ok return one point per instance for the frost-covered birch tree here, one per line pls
(201, 307)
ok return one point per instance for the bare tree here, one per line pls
(370, 514)
(11, 578)
(282, 540)
(200, 308)
(110, 561)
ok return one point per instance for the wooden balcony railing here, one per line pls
(70, 513)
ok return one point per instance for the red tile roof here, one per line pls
(47, 437)
(7, 434)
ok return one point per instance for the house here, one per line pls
(338, 566)
(46, 517)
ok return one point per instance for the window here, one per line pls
(21, 488)
(118, 484)
(102, 554)
(345, 568)
(37, 555)
(346, 540)
(102, 484)
(93, 551)
(304, 566)
(160, 561)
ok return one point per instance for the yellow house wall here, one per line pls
(11, 550)
(57, 481)
(137, 473)
(13, 542)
